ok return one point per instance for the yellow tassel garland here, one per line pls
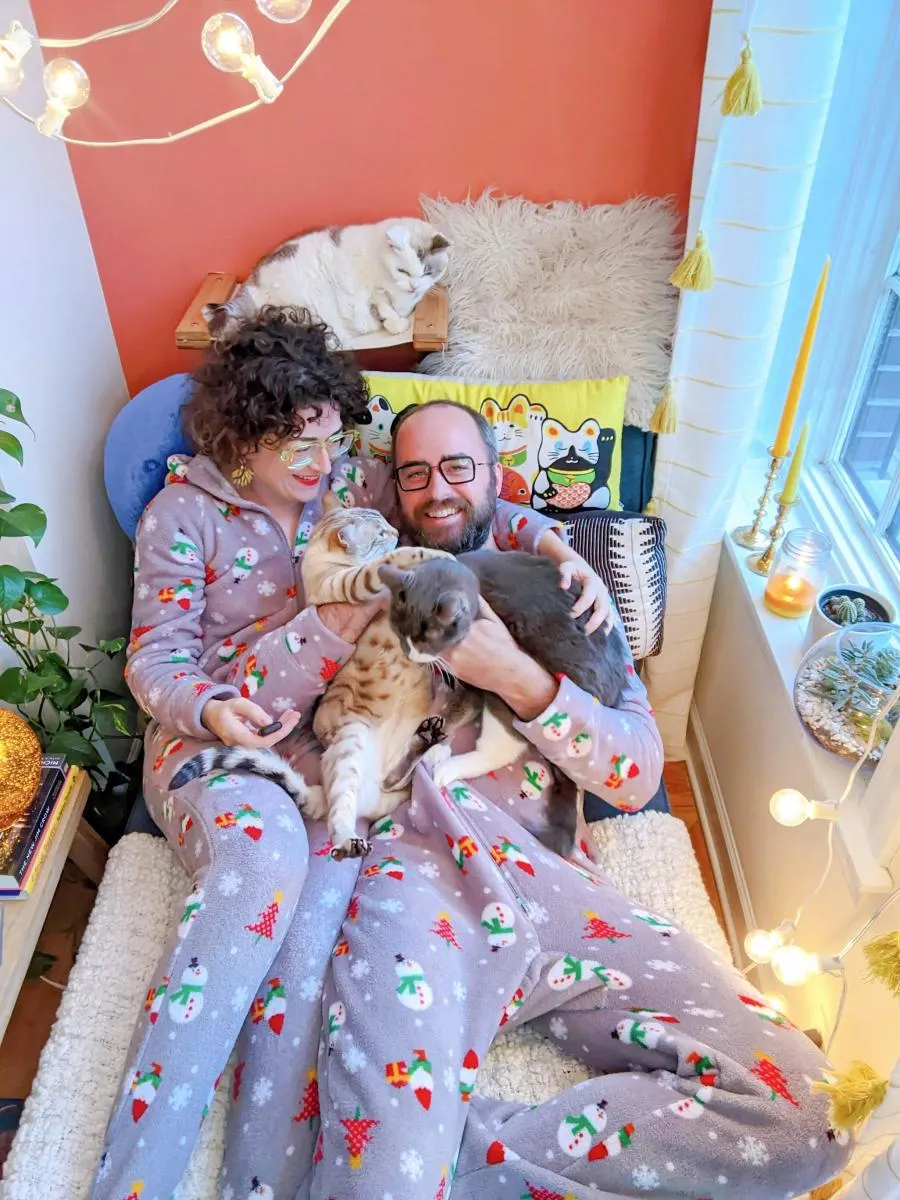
(743, 96)
(883, 956)
(665, 415)
(855, 1095)
(695, 271)
(650, 508)
(827, 1190)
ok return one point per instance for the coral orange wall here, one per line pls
(594, 100)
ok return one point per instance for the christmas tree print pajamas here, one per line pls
(468, 926)
(218, 612)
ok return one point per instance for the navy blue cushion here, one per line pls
(596, 809)
(145, 432)
(636, 483)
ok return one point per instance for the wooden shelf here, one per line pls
(429, 330)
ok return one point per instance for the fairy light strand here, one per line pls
(212, 122)
(113, 31)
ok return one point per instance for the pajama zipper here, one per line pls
(504, 872)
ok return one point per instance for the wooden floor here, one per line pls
(38, 1001)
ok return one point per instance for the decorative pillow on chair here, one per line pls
(627, 550)
(560, 443)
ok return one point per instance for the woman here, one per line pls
(221, 646)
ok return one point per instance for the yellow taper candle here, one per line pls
(792, 483)
(789, 412)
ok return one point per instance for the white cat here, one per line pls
(358, 279)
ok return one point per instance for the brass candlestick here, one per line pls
(761, 564)
(751, 537)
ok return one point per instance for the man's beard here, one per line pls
(472, 536)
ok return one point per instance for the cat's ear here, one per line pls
(449, 607)
(438, 242)
(398, 237)
(394, 578)
(330, 502)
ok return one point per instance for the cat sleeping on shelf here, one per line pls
(394, 702)
(357, 279)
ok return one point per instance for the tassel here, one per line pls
(827, 1190)
(743, 96)
(695, 271)
(854, 1096)
(650, 508)
(883, 956)
(665, 415)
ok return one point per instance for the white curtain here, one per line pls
(751, 183)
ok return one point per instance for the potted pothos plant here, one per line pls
(54, 683)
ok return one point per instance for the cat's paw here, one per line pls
(439, 753)
(432, 732)
(314, 805)
(350, 848)
(395, 324)
(445, 771)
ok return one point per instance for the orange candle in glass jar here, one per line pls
(789, 595)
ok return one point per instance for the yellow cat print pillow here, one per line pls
(560, 443)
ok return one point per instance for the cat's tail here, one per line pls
(262, 763)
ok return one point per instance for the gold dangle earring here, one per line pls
(242, 475)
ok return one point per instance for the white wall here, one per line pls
(58, 354)
(757, 745)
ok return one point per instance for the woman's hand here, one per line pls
(594, 594)
(349, 621)
(228, 720)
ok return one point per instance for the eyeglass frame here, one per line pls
(300, 454)
(440, 467)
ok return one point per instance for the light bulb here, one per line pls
(11, 77)
(790, 807)
(284, 11)
(228, 44)
(67, 86)
(761, 944)
(794, 966)
(14, 45)
(776, 1002)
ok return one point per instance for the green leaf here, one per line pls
(6, 497)
(65, 633)
(88, 649)
(38, 577)
(69, 697)
(25, 520)
(12, 587)
(12, 686)
(77, 749)
(40, 682)
(47, 597)
(112, 646)
(10, 444)
(30, 626)
(11, 407)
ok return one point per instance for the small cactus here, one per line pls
(845, 610)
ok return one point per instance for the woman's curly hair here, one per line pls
(253, 386)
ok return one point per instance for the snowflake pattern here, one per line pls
(218, 618)
(360, 968)
(753, 1150)
(392, 905)
(459, 991)
(240, 998)
(411, 1164)
(179, 1096)
(353, 1058)
(644, 1178)
(266, 588)
(227, 1192)
(536, 913)
(262, 1091)
(449, 1079)
(429, 870)
(260, 526)
(663, 964)
(559, 1028)
(150, 522)
(330, 898)
(281, 703)
(230, 883)
(309, 989)
(704, 1012)
(287, 822)
(143, 591)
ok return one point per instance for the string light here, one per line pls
(285, 12)
(228, 44)
(338, 7)
(67, 87)
(791, 808)
(14, 45)
(761, 944)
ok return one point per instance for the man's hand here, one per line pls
(488, 658)
(349, 621)
(233, 722)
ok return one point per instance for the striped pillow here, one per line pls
(627, 550)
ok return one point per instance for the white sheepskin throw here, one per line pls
(59, 1141)
(560, 291)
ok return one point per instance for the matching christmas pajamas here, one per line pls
(218, 612)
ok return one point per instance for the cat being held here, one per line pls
(357, 279)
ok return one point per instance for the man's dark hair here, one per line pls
(484, 427)
(251, 386)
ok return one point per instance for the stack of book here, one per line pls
(24, 846)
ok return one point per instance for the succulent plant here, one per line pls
(845, 610)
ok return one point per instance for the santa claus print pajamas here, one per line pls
(218, 611)
(470, 926)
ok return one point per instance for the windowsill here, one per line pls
(787, 641)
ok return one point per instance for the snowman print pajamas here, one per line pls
(470, 926)
(219, 612)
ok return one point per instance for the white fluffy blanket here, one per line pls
(58, 1143)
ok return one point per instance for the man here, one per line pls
(466, 924)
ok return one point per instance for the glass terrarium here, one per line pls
(844, 681)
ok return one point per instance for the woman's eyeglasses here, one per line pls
(456, 468)
(301, 454)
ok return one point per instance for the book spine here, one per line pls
(30, 879)
(18, 867)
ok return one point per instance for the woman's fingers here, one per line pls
(249, 711)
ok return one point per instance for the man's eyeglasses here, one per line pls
(455, 468)
(301, 454)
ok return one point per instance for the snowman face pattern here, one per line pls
(186, 1002)
(413, 991)
(498, 920)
